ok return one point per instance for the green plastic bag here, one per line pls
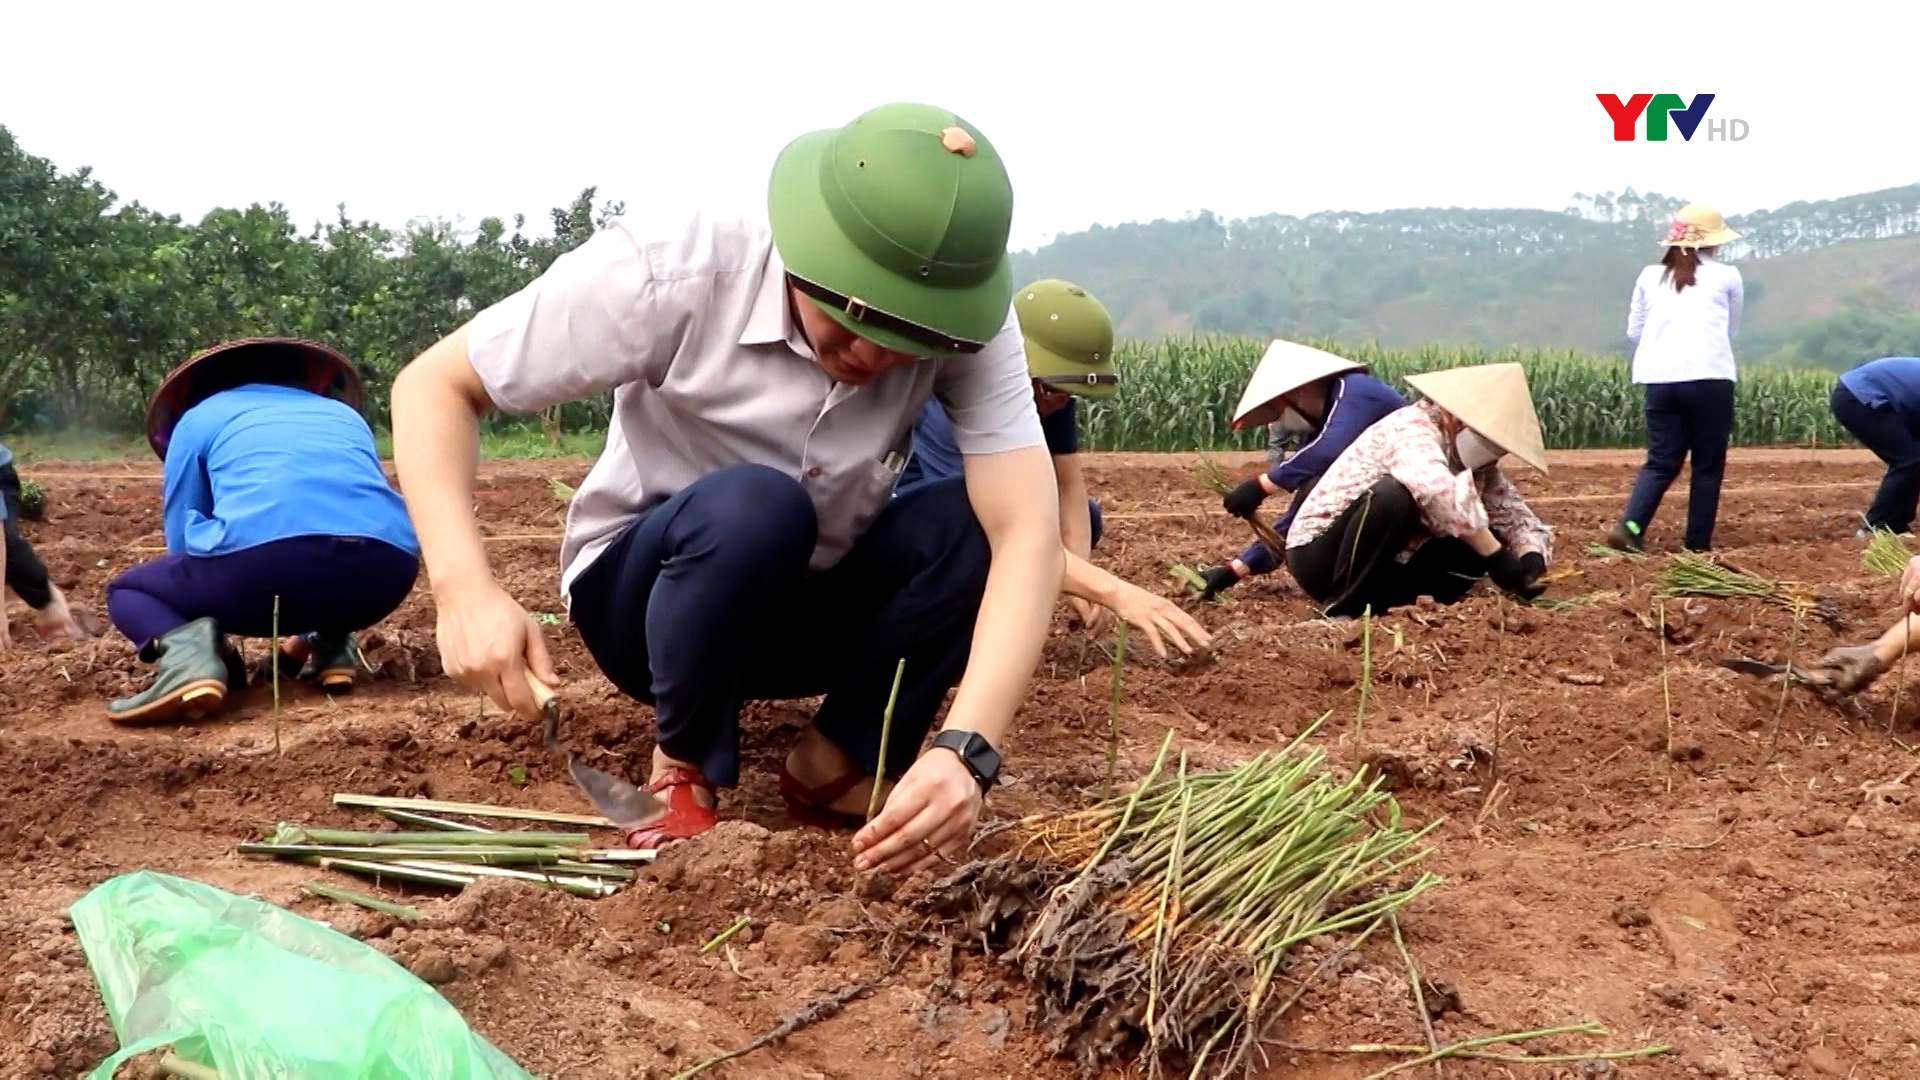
(254, 991)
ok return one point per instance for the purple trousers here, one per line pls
(331, 586)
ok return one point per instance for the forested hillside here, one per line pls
(1827, 282)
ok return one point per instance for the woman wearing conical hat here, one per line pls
(1068, 336)
(1418, 505)
(278, 516)
(1300, 390)
(1682, 321)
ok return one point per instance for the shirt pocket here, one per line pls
(846, 502)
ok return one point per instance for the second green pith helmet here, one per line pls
(1069, 338)
(896, 225)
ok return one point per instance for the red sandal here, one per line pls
(685, 817)
(810, 806)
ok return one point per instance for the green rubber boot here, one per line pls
(332, 662)
(189, 679)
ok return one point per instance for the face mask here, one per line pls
(1475, 452)
(1291, 420)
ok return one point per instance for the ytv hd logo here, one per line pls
(1659, 108)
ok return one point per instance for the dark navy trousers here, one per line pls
(1886, 433)
(1685, 419)
(706, 602)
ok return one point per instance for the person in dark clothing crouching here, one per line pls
(1418, 505)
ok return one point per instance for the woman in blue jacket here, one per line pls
(1303, 391)
(273, 494)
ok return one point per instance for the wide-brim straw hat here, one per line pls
(1287, 366)
(328, 374)
(1697, 225)
(1493, 400)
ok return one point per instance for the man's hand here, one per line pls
(1094, 618)
(1155, 616)
(489, 642)
(929, 817)
(1246, 497)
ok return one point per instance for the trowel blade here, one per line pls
(619, 801)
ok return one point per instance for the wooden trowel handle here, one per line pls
(542, 693)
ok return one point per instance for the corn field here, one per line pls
(1179, 394)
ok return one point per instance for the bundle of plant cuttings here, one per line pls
(1159, 922)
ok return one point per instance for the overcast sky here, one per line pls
(406, 108)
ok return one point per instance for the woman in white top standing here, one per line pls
(1685, 313)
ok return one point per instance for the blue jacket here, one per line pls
(936, 456)
(1355, 403)
(1891, 382)
(260, 463)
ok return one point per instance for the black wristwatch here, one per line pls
(980, 756)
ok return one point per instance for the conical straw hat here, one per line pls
(1287, 366)
(1493, 400)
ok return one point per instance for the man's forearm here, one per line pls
(436, 452)
(1899, 640)
(1088, 582)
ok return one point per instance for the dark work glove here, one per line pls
(1509, 572)
(1242, 501)
(1534, 564)
(1219, 579)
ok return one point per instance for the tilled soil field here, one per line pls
(1732, 874)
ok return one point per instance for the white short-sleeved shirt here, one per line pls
(1686, 335)
(685, 318)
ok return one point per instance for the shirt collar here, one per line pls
(770, 320)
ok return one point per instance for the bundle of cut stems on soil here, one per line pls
(1692, 574)
(1885, 553)
(559, 860)
(1162, 919)
(1215, 478)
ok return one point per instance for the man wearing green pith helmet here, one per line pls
(1069, 343)
(736, 539)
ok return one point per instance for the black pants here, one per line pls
(327, 585)
(1888, 435)
(1685, 418)
(26, 574)
(1351, 566)
(706, 602)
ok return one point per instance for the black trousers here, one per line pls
(26, 574)
(1685, 418)
(706, 602)
(1884, 432)
(1351, 566)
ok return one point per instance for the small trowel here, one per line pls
(1748, 666)
(623, 803)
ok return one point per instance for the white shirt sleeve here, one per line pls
(595, 320)
(989, 396)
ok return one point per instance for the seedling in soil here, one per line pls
(33, 500)
(1113, 712)
(886, 732)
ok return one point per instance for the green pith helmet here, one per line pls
(1069, 338)
(896, 225)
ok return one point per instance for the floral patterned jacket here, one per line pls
(1407, 445)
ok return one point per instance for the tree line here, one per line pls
(98, 299)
